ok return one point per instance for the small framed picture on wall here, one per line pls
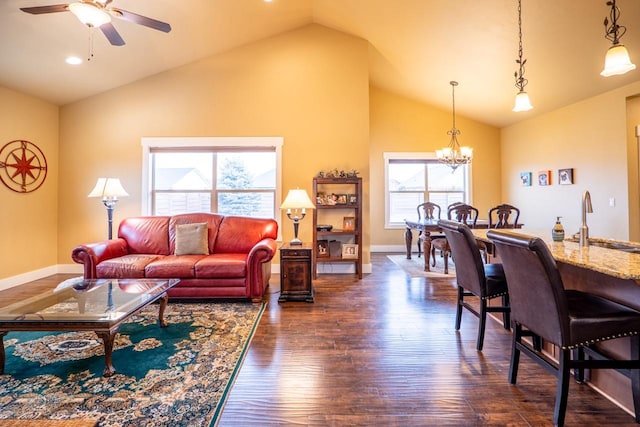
(565, 176)
(544, 178)
(525, 179)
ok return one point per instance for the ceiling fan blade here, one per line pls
(36, 10)
(141, 20)
(112, 34)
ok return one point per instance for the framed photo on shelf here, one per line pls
(565, 176)
(544, 178)
(525, 179)
(349, 251)
(341, 199)
(335, 248)
(322, 250)
(352, 199)
(348, 223)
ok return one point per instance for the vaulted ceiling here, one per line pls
(416, 46)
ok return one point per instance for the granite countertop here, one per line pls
(599, 256)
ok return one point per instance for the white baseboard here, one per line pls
(20, 279)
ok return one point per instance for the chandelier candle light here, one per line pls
(296, 203)
(109, 189)
(454, 155)
(523, 103)
(617, 60)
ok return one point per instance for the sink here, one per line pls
(610, 244)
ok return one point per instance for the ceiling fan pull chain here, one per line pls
(90, 54)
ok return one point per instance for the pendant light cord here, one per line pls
(521, 82)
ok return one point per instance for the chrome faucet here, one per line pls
(586, 208)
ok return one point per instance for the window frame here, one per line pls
(183, 143)
(417, 156)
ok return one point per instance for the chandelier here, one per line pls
(454, 155)
(617, 60)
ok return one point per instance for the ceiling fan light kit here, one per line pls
(97, 14)
(89, 15)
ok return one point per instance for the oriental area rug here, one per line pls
(414, 267)
(174, 376)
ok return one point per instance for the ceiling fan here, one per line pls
(95, 13)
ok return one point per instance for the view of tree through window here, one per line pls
(414, 181)
(227, 182)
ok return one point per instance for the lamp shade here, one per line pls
(617, 61)
(108, 188)
(297, 199)
(89, 15)
(523, 103)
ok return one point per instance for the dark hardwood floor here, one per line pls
(383, 351)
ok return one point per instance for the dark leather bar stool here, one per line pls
(475, 278)
(572, 320)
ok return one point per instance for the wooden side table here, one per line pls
(295, 273)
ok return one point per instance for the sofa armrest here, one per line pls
(263, 252)
(92, 254)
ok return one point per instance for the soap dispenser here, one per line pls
(557, 233)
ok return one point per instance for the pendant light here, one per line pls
(454, 155)
(617, 60)
(523, 103)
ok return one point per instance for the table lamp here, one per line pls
(297, 200)
(109, 189)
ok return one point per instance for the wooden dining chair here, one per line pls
(428, 211)
(459, 212)
(504, 216)
(574, 321)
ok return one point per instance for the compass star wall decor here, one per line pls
(23, 167)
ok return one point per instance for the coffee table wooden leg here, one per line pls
(163, 305)
(2, 334)
(107, 338)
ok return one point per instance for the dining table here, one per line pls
(425, 227)
(606, 267)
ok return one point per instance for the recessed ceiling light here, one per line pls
(73, 60)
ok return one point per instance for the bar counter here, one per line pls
(601, 270)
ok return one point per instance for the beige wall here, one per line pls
(403, 125)
(29, 221)
(309, 86)
(590, 136)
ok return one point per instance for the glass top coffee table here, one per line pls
(99, 305)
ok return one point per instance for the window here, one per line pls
(413, 178)
(230, 176)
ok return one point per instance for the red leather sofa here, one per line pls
(235, 261)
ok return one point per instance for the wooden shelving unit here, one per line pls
(333, 214)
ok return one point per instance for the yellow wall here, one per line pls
(403, 125)
(29, 221)
(309, 86)
(589, 136)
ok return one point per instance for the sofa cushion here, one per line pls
(222, 265)
(182, 266)
(128, 266)
(146, 234)
(192, 239)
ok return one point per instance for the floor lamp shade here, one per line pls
(296, 203)
(109, 189)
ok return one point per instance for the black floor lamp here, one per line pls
(109, 189)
